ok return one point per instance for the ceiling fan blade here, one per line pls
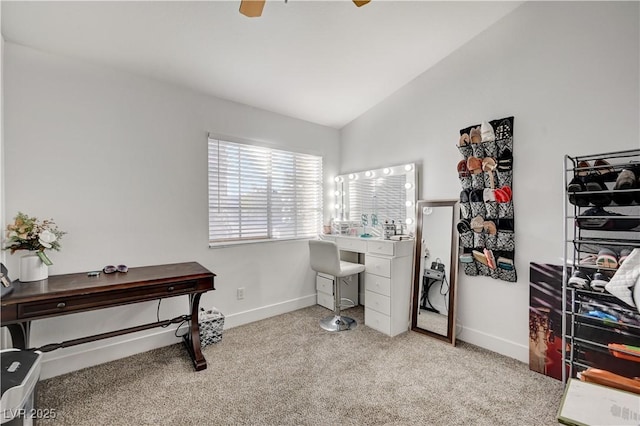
(252, 8)
(361, 2)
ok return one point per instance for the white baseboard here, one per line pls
(495, 344)
(71, 359)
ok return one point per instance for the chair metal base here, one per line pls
(338, 323)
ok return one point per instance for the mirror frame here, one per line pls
(453, 269)
(409, 170)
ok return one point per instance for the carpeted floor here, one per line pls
(287, 371)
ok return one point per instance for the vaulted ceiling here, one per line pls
(322, 61)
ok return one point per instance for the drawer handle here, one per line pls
(61, 305)
(171, 288)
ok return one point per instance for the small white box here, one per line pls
(325, 286)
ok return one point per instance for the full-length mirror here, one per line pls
(433, 307)
(374, 198)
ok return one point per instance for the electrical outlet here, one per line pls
(240, 293)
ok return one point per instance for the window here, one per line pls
(258, 193)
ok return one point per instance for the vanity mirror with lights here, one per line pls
(376, 203)
(435, 263)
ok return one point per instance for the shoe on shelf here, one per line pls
(626, 180)
(577, 185)
(595, 183)
(599, 281)
(589, 260)
(476, 136)
(604, 169)
(605, 220)
(607, 259)
(580, 280)
(624, 253)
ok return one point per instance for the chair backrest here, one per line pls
(324, 257)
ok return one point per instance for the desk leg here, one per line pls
(192, 339)
(20, 334)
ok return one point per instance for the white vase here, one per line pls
(32, 268)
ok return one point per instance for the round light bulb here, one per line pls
(352, 176)
(408, 221)
(408, 203)
(408, 167)
(369, 173)
(337, 206)
(386, 170)
(408, 185)
(337, 193)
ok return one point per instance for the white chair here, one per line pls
(325, 258)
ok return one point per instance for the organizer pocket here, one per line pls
(493, 273)
(465, 182)
(477, 181)
(490, 149)
(506, 240)
(470, 269)
(482, 268)
(505, 210)
(491, 210)
(487, 179)
(465, 210)
(505, 179)
(478, 150)
(503, 144)
(466, 151)
(479, 239)
(507, 275)
(466, 239)
(491, 241)
(477, 209)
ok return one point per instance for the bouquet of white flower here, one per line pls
(28, 233)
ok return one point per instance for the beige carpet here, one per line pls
(287, 371)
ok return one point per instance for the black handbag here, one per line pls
(436, 272)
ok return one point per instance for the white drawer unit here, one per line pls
(324, 288)
(377, 284)
(387, 281)
(378, 265)
(378, 302)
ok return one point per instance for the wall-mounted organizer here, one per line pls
(601, 275)
(486, 226)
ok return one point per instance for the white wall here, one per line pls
(120, 163)
(569, 73)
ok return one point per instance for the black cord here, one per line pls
(175, 333)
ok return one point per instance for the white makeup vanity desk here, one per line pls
(387, 280)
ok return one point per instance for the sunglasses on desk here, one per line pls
(110, 269)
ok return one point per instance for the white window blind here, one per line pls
(258, 193)
(384, 196)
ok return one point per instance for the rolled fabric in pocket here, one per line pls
(465, 150)
(506, 240)
(468, 264)
(505, 210)
(466, 239)
(491, 210)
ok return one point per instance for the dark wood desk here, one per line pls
(71, 293)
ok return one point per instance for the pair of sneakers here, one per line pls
(582, 280)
